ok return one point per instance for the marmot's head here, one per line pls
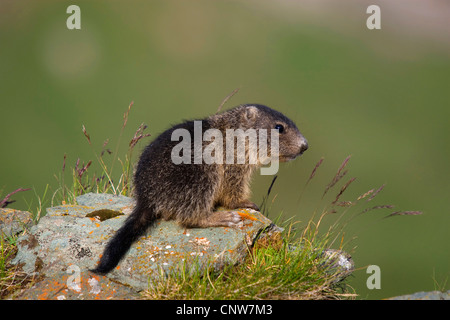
(291, 143)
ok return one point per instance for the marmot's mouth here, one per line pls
(290, 157)
(286, 158)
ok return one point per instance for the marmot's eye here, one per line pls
(279, 127)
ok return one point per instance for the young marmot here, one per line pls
(189, 192)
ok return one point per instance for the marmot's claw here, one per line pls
(232, 219)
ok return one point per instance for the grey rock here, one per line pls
(75, 284)
(77, 234)
(12, 221)
(430, 295)
(107, 201)
(339, 264)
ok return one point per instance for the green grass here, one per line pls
(11, 278)
(277, 267)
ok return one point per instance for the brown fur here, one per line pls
(190, 193)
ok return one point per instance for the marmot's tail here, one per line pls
(134, 227)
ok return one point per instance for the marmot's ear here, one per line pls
(250, 114)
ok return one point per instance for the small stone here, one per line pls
(339, 264)
(430, 295)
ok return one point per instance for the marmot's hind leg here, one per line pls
(216, 219)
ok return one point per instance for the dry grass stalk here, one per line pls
(125, 115)
(311, 176)
(376, 192)
(5, 201)
(105, 149)
(404, 213)
(313, 173)
(83, 169)
(365, 194)
(385, 206)
(339, 175)
(345, 204)
(344, 187)
(138, 135)
(88, 137)
(228, 97)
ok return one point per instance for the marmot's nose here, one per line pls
(304, 147)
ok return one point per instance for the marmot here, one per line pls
(190, 192)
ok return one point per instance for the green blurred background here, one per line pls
(381, 96)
